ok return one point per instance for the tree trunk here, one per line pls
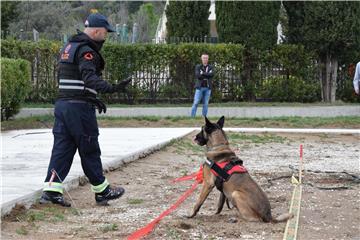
(334, 68)
(322, 76)
(328, 78)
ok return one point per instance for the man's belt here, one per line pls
(100, 105)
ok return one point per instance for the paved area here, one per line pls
(241, 112)
(26, 154)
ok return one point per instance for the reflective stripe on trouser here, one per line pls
(101, 187)
(53, 187)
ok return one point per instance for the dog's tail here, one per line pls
(282, 218)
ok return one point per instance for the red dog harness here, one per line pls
(234, 169)
(224, 170)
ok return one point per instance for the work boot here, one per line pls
(53, 197)
(108, 194)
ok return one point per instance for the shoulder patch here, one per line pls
(65, 54)
(88, 56)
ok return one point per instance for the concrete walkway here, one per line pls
(26, 154)
(241, 112)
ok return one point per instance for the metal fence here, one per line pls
(169, 84)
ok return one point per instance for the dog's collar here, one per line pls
(216, 147)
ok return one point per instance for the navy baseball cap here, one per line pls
(98, 20)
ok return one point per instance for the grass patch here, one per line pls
(135, 201)
(58, 217)
(22, 231)
(33, 216)
(75, 211)
(252, 138)
(51, 214)
(45, 121)
(184, 146)
(221, 104)
(108, 227)
(172, 233)
(155, 121)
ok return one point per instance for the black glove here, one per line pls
(119, 87)
(100, 105)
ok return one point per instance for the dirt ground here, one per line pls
(330, 207)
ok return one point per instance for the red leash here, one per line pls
(194, 176)
(148, 228)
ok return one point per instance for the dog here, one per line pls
(240, 189)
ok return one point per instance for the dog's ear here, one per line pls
(221, 121)
(207, 121)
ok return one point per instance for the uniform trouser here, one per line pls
(76, 128)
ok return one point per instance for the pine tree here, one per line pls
(250, 23)
(188, 19)
(295, 12)
(253, 24)
(8, 13)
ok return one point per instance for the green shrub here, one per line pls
(292, 89)
(43, 58)
(346, 92)
(292, 59)
(15, 85)
(166, 71)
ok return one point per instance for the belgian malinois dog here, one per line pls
(240, 189)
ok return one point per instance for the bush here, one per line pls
(346, 92)
(166, 71)
(15, 85)
(292, 89)
(43, 58)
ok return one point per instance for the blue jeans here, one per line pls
(204, 95)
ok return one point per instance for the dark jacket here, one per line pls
(81, 66)
(204, 75)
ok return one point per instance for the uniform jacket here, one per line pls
(80, 68)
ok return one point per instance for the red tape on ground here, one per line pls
(148, 228)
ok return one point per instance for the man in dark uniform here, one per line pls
(204, 73)
(75, 126)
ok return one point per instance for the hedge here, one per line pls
(15, 85)
(165, 72)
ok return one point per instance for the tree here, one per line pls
(253, 24)
(187, 19)
(134, 6)
(147, 22)
(296, 15)
(46, 17)
(8, 14)
(331, 29)
(250, 23)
